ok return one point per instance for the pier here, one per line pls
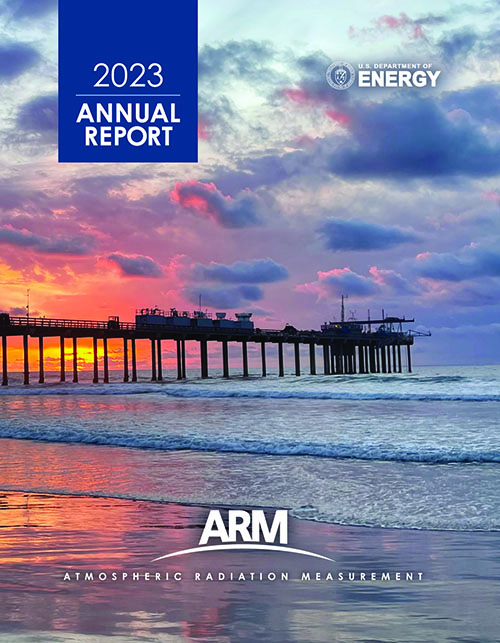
(347, 347)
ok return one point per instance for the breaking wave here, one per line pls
(217, 444)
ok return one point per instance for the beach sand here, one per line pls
(43, 537)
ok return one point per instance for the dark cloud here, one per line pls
(413, 138)
(257, 271)
(39, 116)
(233, 297)
(471, 262)
(343, 234)
(16, 58)
(457, 44)
(206, 200)
(78, 245)
(482, 102)
(19, 9)
(136, 265)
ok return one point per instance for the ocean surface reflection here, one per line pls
(43, 537)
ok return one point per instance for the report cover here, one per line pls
(249, 337)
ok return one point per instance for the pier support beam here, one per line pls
(263, 354)
(62, 359)
(400, 369)
(312, 359)
(75, 360)
(125, 359)
(225, 359)
(409, 358)
(297, 358)
(5, 374)
(353, 360)
(244, 349)
(134, 360)
(179, 359)
(394, 367)
(388, 359)
(26, 360)
(361, 359)
(105, 360)
(183, 349)
(153, 360)
(204, 358)
(377, 355)
(326, 359)
(41, 370)
(160, 366)
(95, 379)
(384, 360)
(281, 362)
(371, 351)
(333, 360)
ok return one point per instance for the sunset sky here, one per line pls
(301, 193)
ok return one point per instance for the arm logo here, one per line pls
(253, 530)
(340, 75)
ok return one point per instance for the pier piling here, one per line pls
(26, 360)
(179, 359)
(160, 365)
(225, 359)
(244, 350)
(96, 364)
(183, 347)
(326, 359)
(5, 375)
(105, 360)
(41, 374)
(281, 361)
(134, 361)
(125, 360)
(263, 355)
(62, 359)
(153, 361)
(204, 358)
(297, 358)
(75, 360)
(312, 359)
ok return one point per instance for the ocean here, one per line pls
(415, 451)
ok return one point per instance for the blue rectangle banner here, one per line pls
(128, 81)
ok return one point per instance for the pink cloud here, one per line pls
(206, 200)
(337, 117)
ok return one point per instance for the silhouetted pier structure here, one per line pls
(347, 347)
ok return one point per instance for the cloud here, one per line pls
(205, 199)
(78, 245)
(16, 58)
(393, 280)
(39, 116)
(413, 138)
(353, 234)
(136, 265)
(256, 271)
(471, 262)
(19, 9)
(482, 102)
(340, 281)
(233, 297)
(246, 59)
(457, 44)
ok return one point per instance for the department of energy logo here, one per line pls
(245, 530)
(340, 75)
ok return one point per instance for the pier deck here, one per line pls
(347, 347)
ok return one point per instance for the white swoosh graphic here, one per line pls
(291, 550)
